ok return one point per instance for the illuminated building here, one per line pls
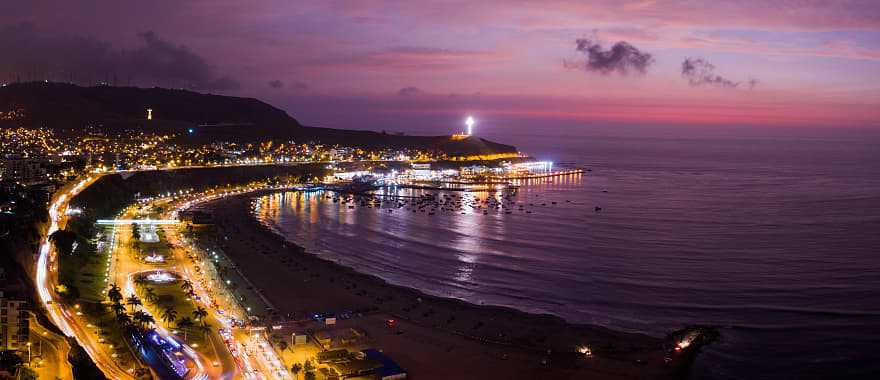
(149, 114)
(14, 329)
(26, 171)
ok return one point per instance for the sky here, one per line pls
(424, 66)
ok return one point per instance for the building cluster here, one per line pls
(39, 156)
(438, 174)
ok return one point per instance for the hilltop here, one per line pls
(212, 117)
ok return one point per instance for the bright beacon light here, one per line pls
(470, 124)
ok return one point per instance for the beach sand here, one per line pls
(436, 338)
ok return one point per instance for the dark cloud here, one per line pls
(156, 62)
(276, 84)
(621, 58)
(409, 91)
(699, 72)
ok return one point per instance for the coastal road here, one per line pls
(46, 279)
(260, 355)
(46, 274)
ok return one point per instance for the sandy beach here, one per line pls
(436, 338)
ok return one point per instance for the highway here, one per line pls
(259, 361)
(46, 279)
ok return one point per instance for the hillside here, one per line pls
(65, 106)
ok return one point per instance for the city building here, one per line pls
(422, 171)
(25, 171)
(14, 328)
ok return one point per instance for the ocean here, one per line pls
(773, 235)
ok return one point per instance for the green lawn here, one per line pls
(83, 272)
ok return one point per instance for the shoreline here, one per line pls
(490, 334)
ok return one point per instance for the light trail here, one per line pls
(60, 317)
(258, 348)
(68, 324)
(126, 222)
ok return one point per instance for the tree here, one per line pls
(135, 232)
(308, 366)
(296, 368)
(169, 315)
(185, 324)
(142, 318)
(123, 318)
(140, 281)
(187, 287)
(115, 294)
(133, 301)
(283, 345)
(63, 241)
(118, 308)
(206, 328)
(152, 298)
(310, 376)
(199, 313)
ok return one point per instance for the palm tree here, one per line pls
(187, 286)
(133, 301)
(169, 315)
(140, 281)
(142, 318)
(115, 294)
(184, 324)
(118, 308)
(123, 318)
(199, 313)
(151, 295)
(206, 328)
(296, 368)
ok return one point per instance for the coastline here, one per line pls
(498, 342)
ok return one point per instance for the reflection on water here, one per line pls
(444, 234)
(781, 255)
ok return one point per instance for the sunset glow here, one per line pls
(797, 63)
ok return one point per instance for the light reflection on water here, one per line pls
(376, 240)
(780, 255)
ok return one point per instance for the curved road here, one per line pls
(72, 325)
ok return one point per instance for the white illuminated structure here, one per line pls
(149, 114)
(154, 258)
(161, 277)
(470, 125)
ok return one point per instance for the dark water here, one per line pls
(774, 236)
